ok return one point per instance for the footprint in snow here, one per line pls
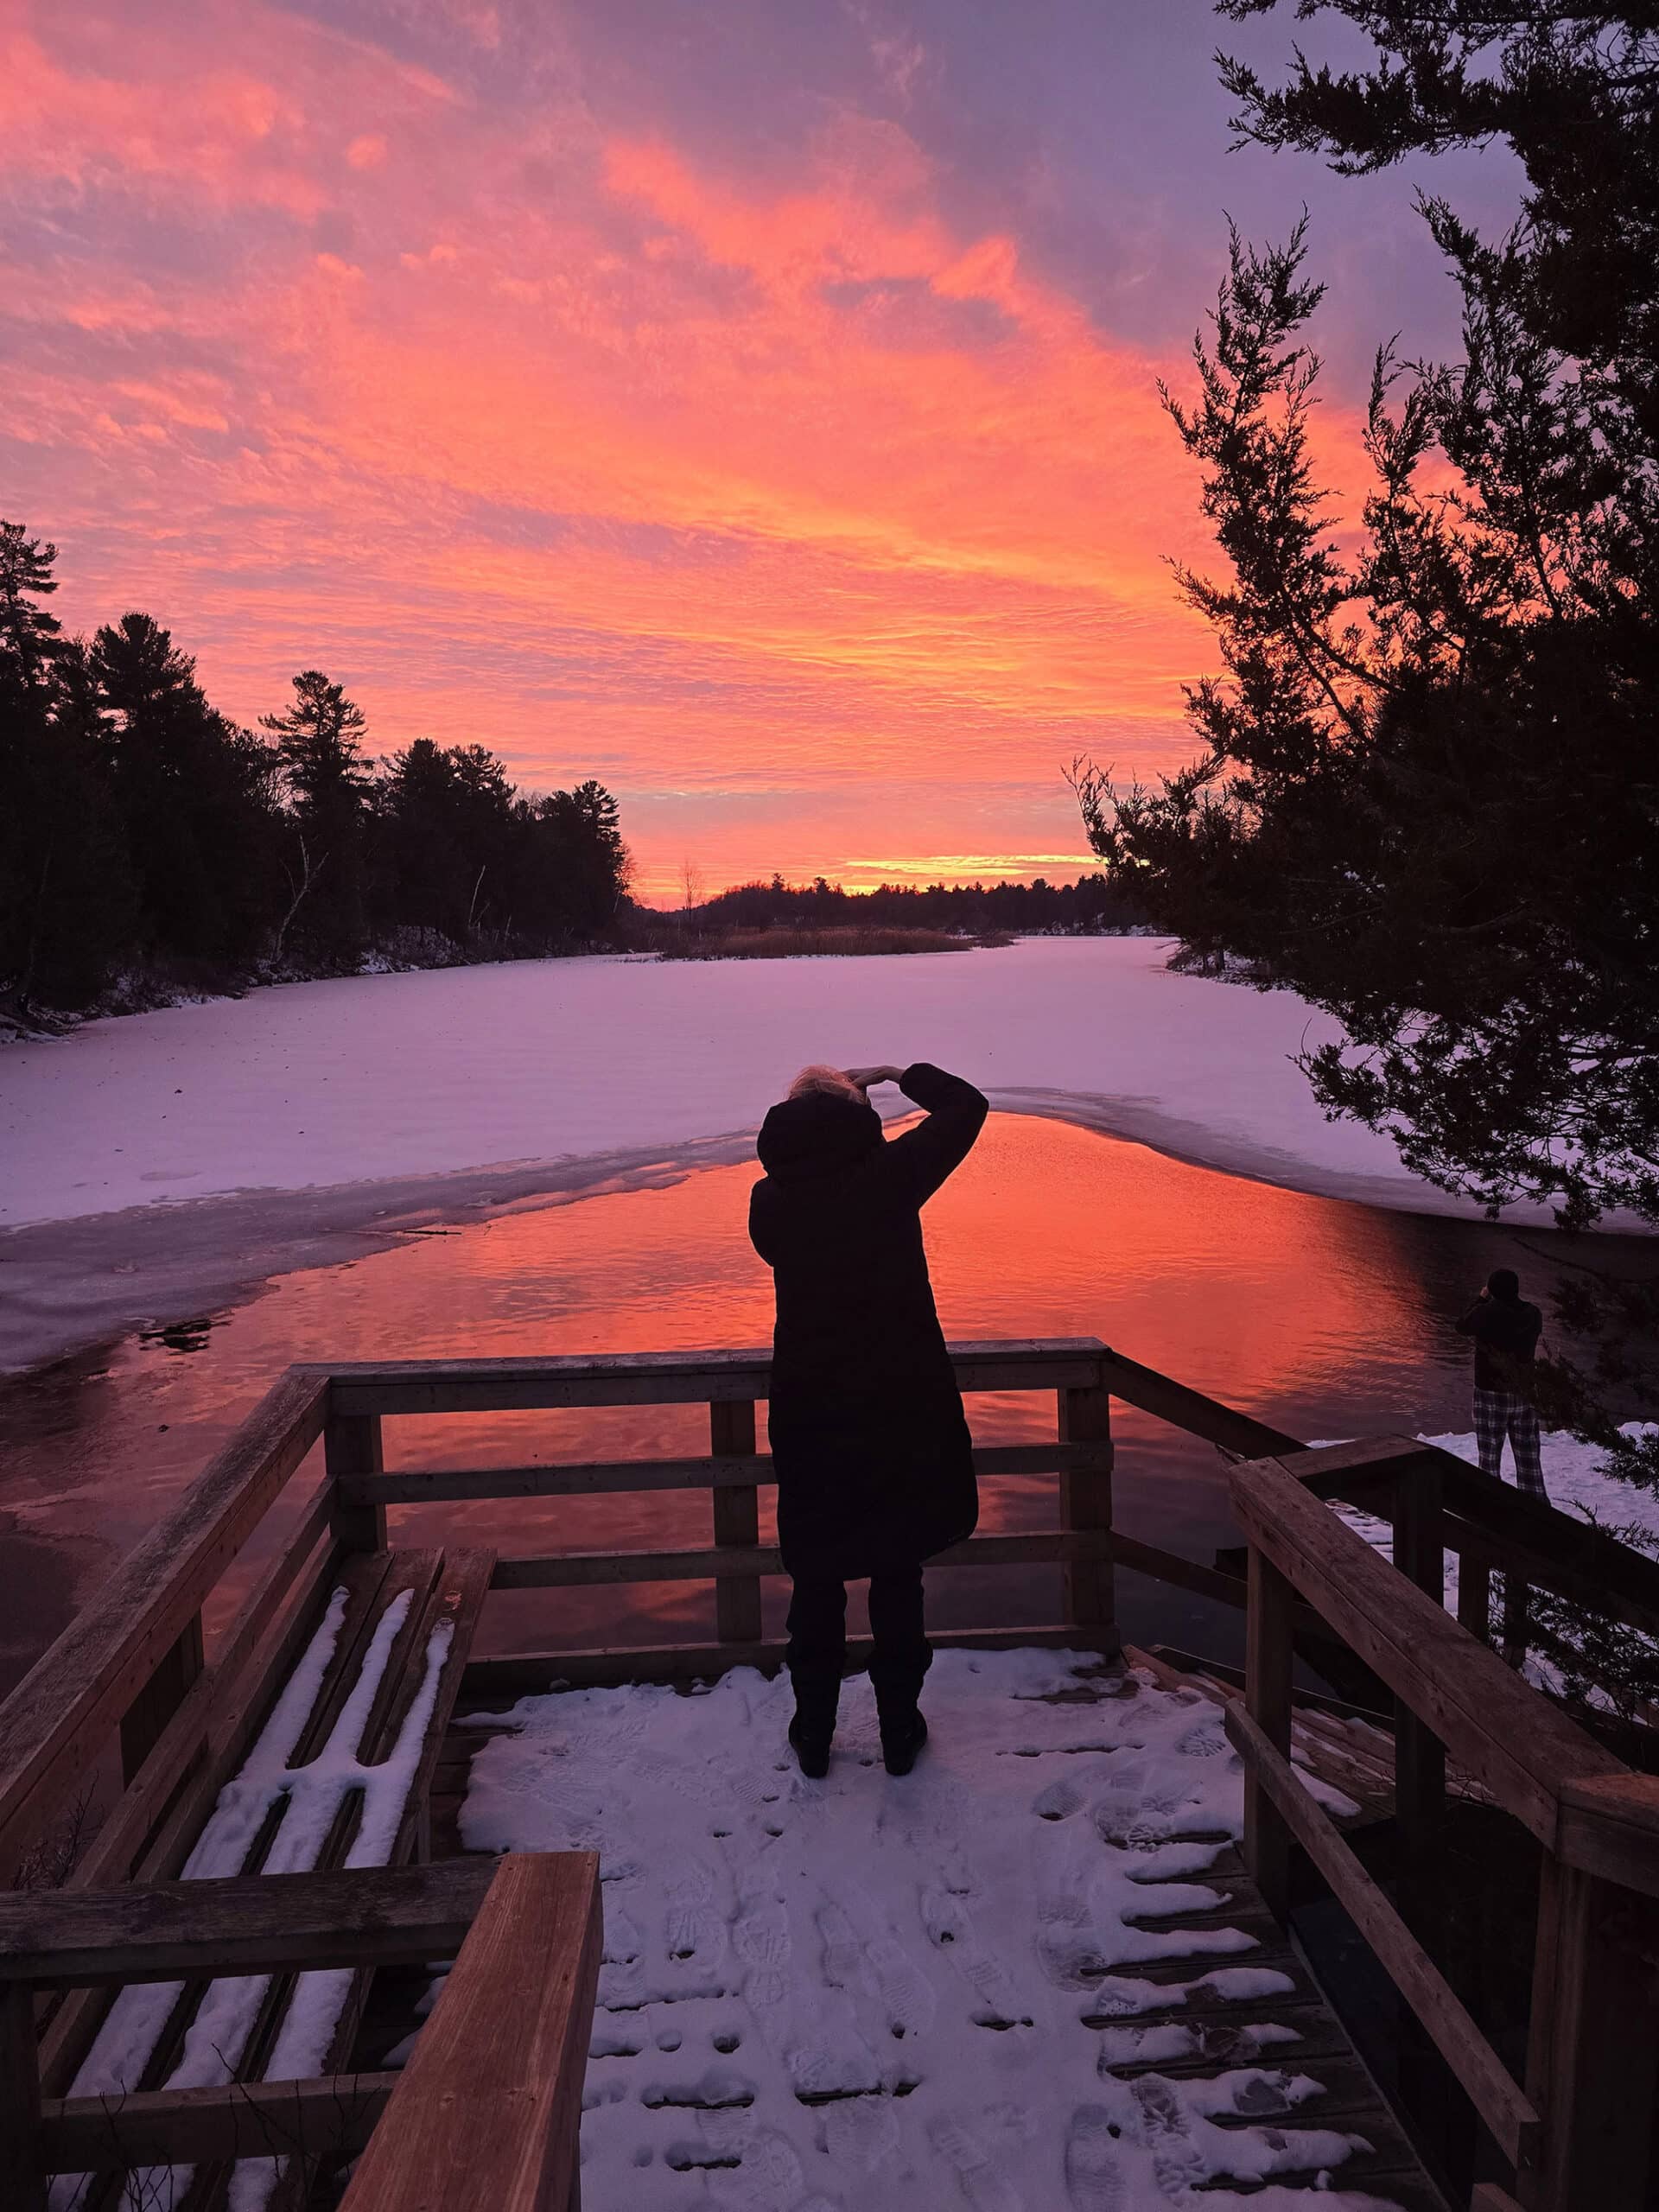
(761, 1939)
(1166, 2129)
(860, 2132)
(692, 1927)
(983, 2179)
(1094, 2170)
(1058, 1801)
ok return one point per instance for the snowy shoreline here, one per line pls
(163, 1164)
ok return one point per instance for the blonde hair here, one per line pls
(821, 1077)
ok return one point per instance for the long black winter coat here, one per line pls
(874, 1464)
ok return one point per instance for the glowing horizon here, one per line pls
(756, 409)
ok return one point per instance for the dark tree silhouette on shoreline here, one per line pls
(144, 835)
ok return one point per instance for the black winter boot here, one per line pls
(812, 1732)
(903, 1733)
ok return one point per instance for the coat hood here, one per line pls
(805, 1136)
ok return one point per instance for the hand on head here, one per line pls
(865, 1076)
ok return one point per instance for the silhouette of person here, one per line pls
(1506, 1329)
(875, 1467)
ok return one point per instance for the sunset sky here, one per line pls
(750, 403)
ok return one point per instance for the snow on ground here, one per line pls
(1572, 1475)
(867, 1995)
(387, 1077)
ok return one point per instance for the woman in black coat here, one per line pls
(875, 1468)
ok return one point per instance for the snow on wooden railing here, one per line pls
(1579, 2132)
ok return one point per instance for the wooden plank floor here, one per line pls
(1158, 2051)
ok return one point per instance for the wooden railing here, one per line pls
(485, 2113)
(1578, 2132)
(129, 1670)
(128, 1675)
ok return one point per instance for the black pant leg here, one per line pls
(817, 1643)
(902, 1654)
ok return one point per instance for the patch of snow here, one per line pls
(880, 1993)
(311, 1796)
(367, 1079)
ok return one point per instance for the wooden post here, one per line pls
(1592, 2060)
(1419, 1754)
(737, 1521)
(142, 1722)
(1088, 1597)
(22, 2177)
(1267, 1656)
(1475, 1595)
(351, 1445)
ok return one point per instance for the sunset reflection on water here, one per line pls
(1325, 1319)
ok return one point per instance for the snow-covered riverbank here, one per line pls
(369, 1079)
(163, 1165)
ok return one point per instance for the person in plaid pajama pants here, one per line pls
(1506, 1329)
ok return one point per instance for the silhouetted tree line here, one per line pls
(143, 830)
(1089, 906)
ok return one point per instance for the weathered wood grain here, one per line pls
(1172, 1402)
(208, 1713)
(1088, 1597)
(1593, 2055)
(737, 1521)
(55, 1724)
(564, 1570)
(488, 2108)
(258, 1923)
(352, 1449)
(440, 1486)
(1513, 1742)
(434, 1385)
(1496, 2096)
(1268, 1655)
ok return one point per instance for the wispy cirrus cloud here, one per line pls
(701, 406)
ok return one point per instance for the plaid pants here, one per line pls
(1499, 1414)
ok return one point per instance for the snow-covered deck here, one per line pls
(1030, 1974)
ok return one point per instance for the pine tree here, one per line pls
(320, 746)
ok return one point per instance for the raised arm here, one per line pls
(923, 1156)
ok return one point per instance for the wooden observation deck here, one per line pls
(213, 1870)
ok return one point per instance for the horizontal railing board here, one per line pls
(563, 1570)
(437, 1485)
(1493, 1723)
(525, 1674)
(1496, 2095)
(257, 1923)
(430, 1385)
(1172, 1402)
(332, 2114)
(53, 1725)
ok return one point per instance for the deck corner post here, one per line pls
(351, 1448)
(737, 1521)
(1268, 1662)
(1592, 2060)
(1089, 1599)
(22, 2173)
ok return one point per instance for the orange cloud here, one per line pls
(816, 519)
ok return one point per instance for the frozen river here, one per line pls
(555, 1157)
